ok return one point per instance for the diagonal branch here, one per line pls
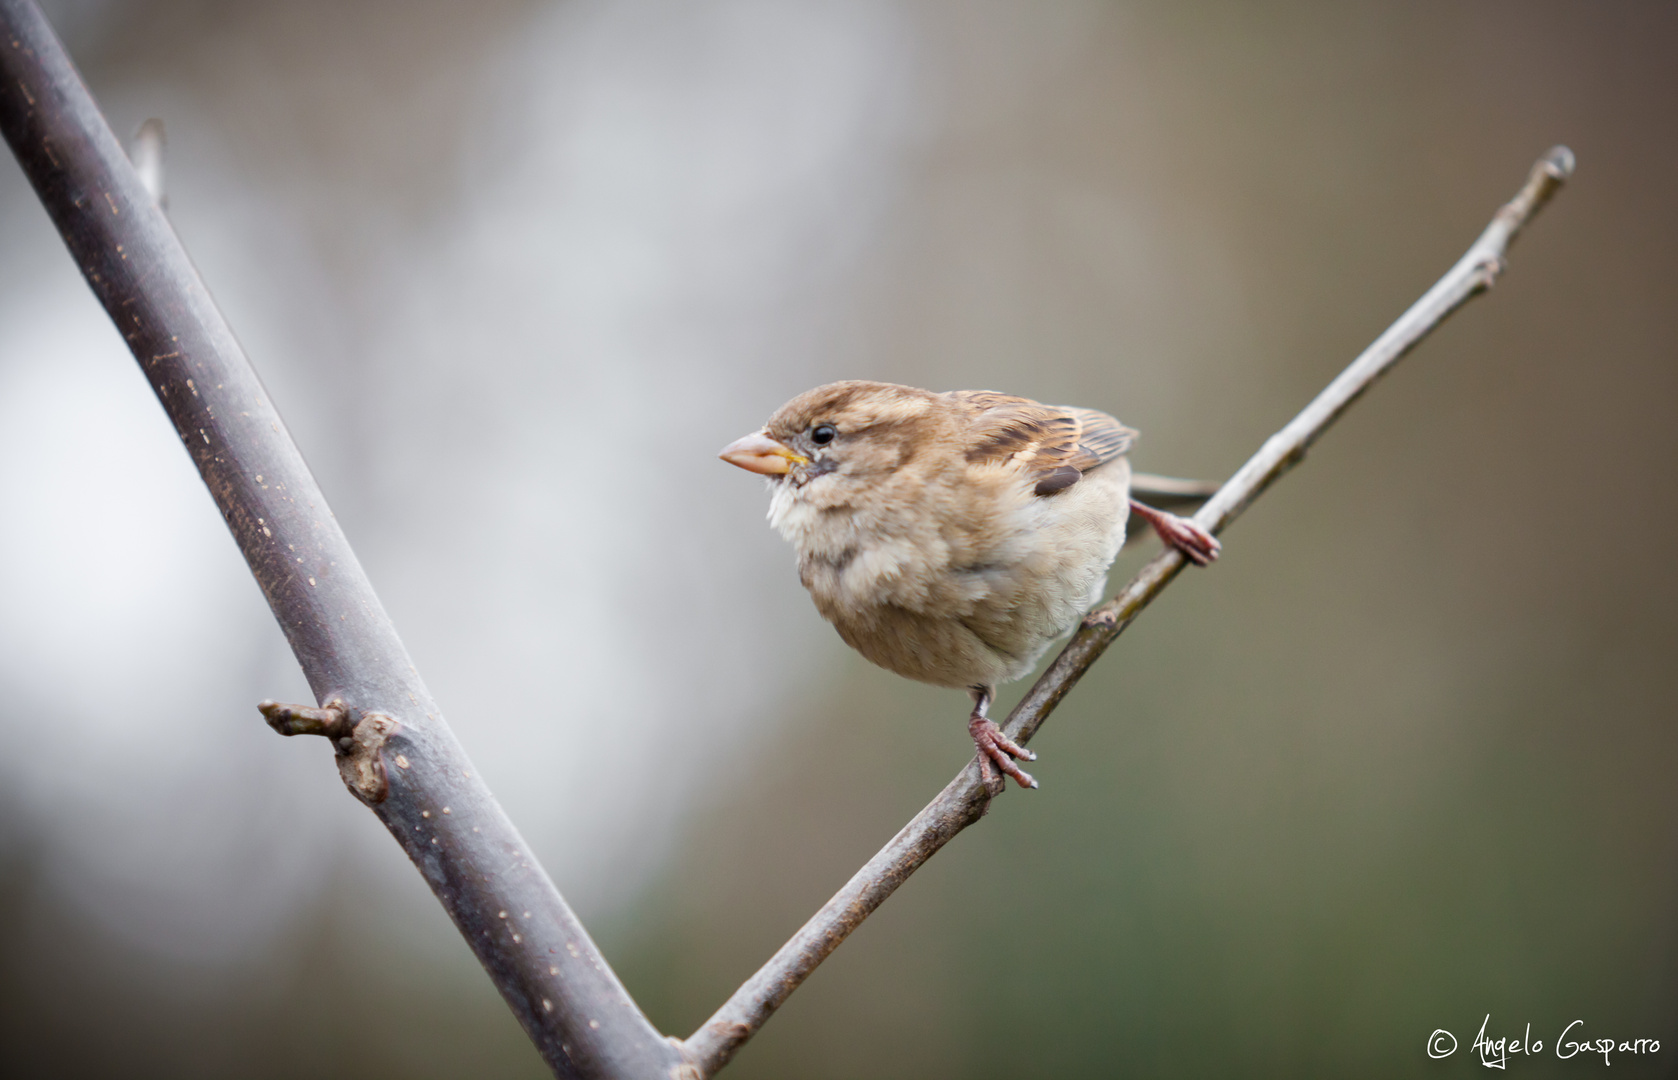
(394, 750)
(964, 800)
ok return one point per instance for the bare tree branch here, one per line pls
(394, 749)
(964, 800)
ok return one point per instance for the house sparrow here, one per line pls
(952, 537)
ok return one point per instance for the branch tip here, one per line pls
(1559, 162)
(331, 720)
(1548, 174)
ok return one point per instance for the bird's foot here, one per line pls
(1197, 545)
(998, 751)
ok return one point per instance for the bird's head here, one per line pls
(830, 444)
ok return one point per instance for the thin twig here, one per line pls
(393, 749)
(963, 801)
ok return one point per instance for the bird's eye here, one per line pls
(822, 434)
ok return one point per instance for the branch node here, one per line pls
(1101, 618)
(361, 764)
(359, 745)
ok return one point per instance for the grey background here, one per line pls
(514, 271)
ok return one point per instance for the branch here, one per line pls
(964, 800)
(394, 749)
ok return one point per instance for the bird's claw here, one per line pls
(1197, 545)
(998, 751)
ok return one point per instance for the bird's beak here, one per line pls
(759, 453)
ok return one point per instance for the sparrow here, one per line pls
(952, 537)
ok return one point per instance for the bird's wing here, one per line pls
(1053, 444)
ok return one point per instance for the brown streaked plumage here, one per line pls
(952, 537)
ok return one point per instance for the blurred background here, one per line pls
(514, 271)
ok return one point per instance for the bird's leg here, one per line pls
(995, 748)
(1197, 545)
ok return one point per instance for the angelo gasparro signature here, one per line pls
(1572, 1042)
